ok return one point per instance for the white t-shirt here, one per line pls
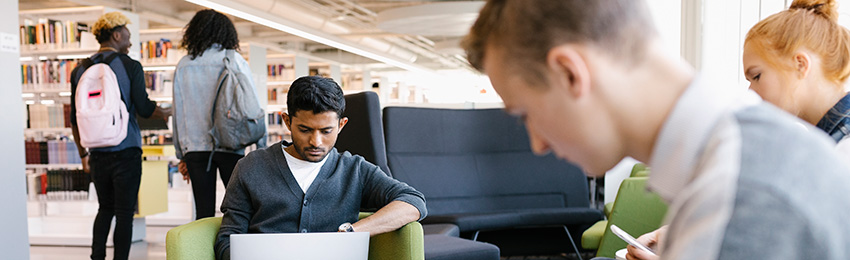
(304, 172)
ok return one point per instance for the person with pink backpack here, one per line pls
(107, 92)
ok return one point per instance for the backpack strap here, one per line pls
(228, 54)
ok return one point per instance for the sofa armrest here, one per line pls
(406, 243)
(195, 240)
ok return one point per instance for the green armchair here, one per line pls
(195, 241)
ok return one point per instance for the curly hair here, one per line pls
(206, 28)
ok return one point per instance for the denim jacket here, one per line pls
(836, 124)
(195, 85)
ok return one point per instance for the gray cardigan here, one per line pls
(263, 196)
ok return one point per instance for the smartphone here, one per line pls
(629, 239)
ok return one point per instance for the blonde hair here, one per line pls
(809, 24)
(109, 21)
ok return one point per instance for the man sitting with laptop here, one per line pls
(307, 186)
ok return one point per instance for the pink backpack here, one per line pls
(101, 113)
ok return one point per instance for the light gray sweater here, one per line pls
(264, 197)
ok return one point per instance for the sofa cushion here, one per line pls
(440, 247)
(518, 218)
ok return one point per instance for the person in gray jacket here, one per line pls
(207, 37)
(307, 186)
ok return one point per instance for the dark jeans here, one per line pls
(116, 177)
(203, 182)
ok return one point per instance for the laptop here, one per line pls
(300, 246)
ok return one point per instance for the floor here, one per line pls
(153, 248)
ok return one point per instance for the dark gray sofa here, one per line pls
(477, 171)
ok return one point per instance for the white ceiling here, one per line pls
(414, 35)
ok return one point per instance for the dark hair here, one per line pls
(104, 35)
(206, 28)
(528, 29)
(314, 93)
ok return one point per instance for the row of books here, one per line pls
(52, 152)
(277, 94)
(281, 71)
(49, 116)
(159, 83)
(275, 119)
(59, 185)
(47, 74)
(156, 49)
(64, 34)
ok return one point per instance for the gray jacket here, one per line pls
(264, 197)
(195, 85)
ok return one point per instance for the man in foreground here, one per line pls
(592, 83)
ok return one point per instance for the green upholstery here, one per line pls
(195, 241)
(591, 237)
(636, 211)
(608, 208)
(639, 170)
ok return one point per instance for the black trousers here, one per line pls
(116, 177)
(203, 182)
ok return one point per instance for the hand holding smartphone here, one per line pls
(629, 239)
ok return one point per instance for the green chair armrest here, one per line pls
(193, 241)
(406, 243)
(592, 236)
(196, 241)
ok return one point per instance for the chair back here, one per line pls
(364, 133)
(636, 210)
(476, 160)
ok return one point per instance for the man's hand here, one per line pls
(650, 239)
(181, 167)
(161, 113)
(85, 161)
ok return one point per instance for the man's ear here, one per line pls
(802, 63)
(116, 36)
(569, 69)
(287, 120)
(342, 122)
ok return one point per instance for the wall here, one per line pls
(14, 241)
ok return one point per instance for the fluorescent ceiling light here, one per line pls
(264, 18)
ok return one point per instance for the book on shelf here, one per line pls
(53, 33)
(281, 71)
(47, 74)
(60, 184)
(52, 152)
(159, 83)
(161, 51)
(49, 116)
